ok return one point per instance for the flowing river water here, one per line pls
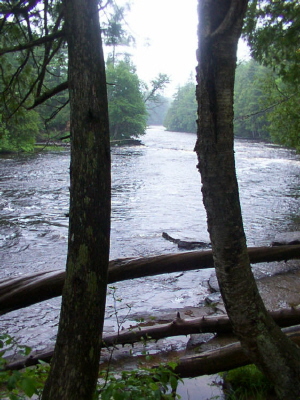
(156, 188)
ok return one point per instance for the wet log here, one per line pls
(23, 291)
(178, 327)
(222, 359)
(183, 244)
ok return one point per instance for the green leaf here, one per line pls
(29, 387)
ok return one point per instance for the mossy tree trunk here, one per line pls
(74, 368)
(220, 24)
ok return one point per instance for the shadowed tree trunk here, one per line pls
(74, 367)
(220, 24)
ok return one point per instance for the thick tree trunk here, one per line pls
(220, 23)
(74, 367)
(23, 291)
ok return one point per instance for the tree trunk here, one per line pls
(23, 291)
(74, 368)
(220, 23)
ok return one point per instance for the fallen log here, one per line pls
(23, 291)
(219, 360)
(223, 359)
(183, 244)
(177, 327)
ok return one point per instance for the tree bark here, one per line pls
(220, 24)
(23, 291)
(74, 367)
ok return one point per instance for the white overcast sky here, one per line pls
(166, 39)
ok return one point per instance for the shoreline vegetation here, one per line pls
(58, 145)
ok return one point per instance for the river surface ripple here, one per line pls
(156, 188)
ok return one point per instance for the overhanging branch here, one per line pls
(32, 43)
(50, 93)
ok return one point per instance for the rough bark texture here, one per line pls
(220, 23)
(23, 291)
(75, 363)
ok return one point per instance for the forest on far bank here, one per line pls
(266, 107)
(266, 103)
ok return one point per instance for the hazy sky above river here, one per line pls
(166, 39)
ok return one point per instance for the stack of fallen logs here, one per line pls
(26, 290)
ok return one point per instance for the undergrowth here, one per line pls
(158, 383)
(247, 383)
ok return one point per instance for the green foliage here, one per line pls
(284, 118)
(182, 114)
(249, 97)
(113, 30)
(158, 84)
(272, 29)
(55, 112)
(20, 131)
(247, 382)
(152, 384)
(266, 106)
(15, 385)
(158, 383)
(29, 74)
(127, 111)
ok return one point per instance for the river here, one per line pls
(155, 188)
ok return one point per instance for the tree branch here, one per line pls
(32, 43)
(50, 93)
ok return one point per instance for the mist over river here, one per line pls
(156, 188)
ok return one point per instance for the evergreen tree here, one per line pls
(272, 29)
(114, 32)
(282, 102)
(127, 110)
(182, 114)
(249, 97)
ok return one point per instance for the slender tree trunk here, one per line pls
(220, 23)
(74, 368)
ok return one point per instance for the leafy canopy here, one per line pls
(127, 111)
(182, 114)
(272, 29)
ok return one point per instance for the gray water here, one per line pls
(156, 188)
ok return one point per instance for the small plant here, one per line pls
(152, 384)
(247, 383)
(16, 385)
